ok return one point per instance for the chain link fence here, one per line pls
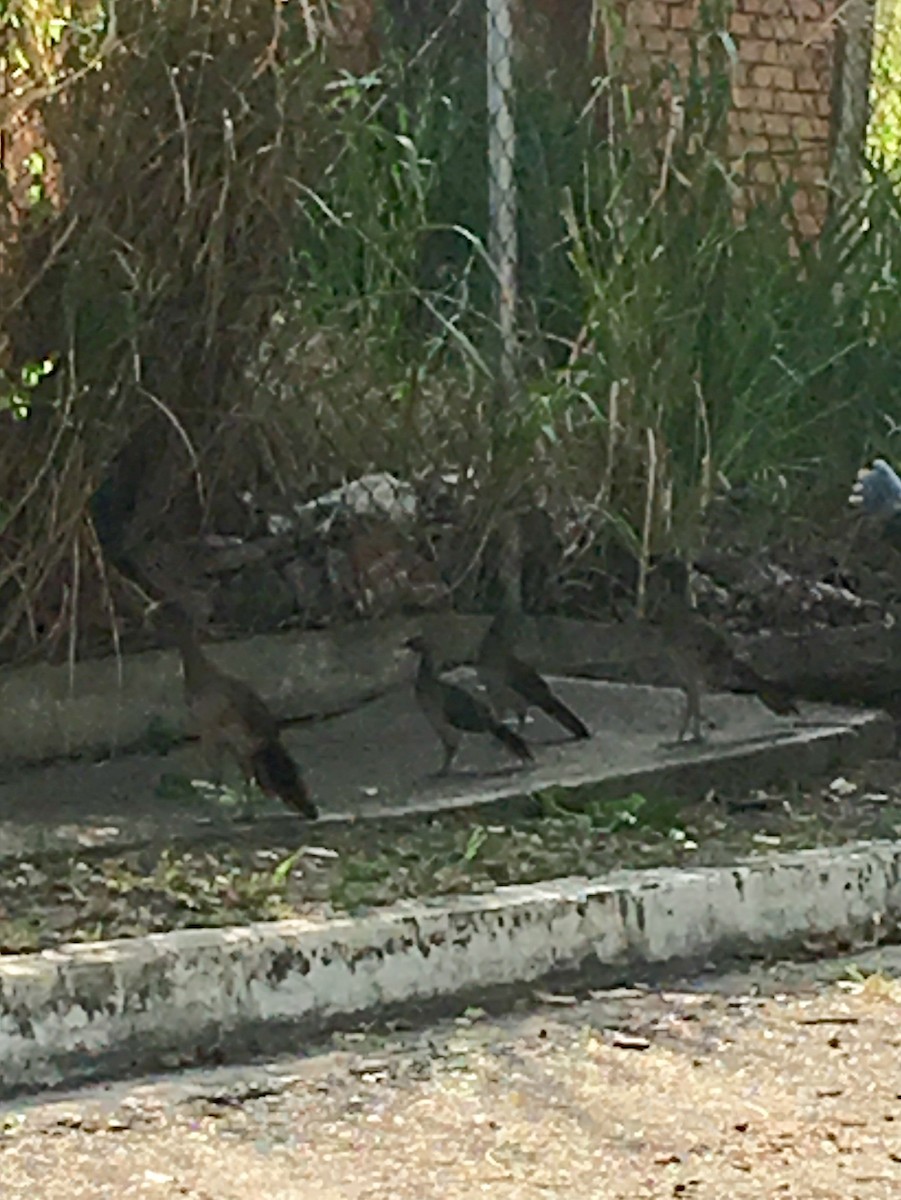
(858, 94)
(502, 239)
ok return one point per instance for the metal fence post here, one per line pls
(852, 97)
(502, 242)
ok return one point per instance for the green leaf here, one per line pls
(476, 840)
(286, 866)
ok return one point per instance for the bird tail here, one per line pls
(776, 698)
(512, 741)
(276, 774)
(566, 717)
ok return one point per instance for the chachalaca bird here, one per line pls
(515, 686)
(230, 717)
(702, 653)
(452, 711)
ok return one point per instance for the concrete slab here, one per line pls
(129, 1006)
(375, 761)
(108, 706)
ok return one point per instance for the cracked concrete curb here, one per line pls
(119, 1008)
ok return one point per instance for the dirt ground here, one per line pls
(775, 1082)
(353, 867)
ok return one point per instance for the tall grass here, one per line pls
(773, 365)
(884, 128)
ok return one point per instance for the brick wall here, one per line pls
(781, 120)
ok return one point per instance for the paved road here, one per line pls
(773, 1083)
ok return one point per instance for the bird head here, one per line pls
(167, 613)
(175, 623)
(673, 573)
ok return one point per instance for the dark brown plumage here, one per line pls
(515, 686)
(701, 653)
(275, 773)
(452, 711)
(230, 717)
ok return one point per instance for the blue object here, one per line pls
(877, 491)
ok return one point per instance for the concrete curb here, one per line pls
(122, 1007)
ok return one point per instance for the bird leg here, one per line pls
(213, 753)
(451, 746)
(251, 788)
(245, 764)
(691, 717)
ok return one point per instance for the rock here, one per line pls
(312, 593)
(224, 554)
(255, 599)
(377, 495)
(845, 665)
(389, 574)
(630, 1041)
